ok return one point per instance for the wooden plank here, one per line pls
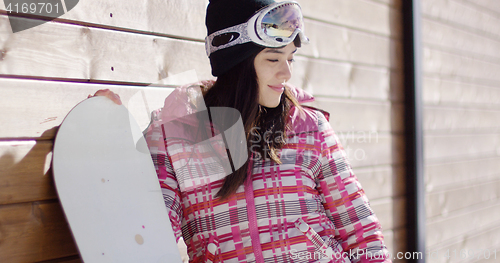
(485, 5)
(26, 176)
(186, 19)
(179, 18)
(383, 209)
(400, 237)
(74, 259)
(344, 44)
(390, 211)
(99, 50)
(362, 115)
(22, 102)
(441, 63)
(56, 50)
(33, 232)
(382, 151)
(167, 57)
(493, 251)
(456, 225)
(465, 197)
(458, 40)
(396, 84)
(438, 119)
(364, 151)
(365, 15)
(60, 97)
(392, 3)
(343, 79)
(478, 241)
(442, 148)
(465, 171)
(440, 91)
(463, 16)
(485, 258)
(382, 181)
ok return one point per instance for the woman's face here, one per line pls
(273, 67)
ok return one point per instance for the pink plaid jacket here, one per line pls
(310, 208)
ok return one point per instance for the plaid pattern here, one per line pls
(310, 208)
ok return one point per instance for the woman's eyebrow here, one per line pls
(277, 50)
(274, 50)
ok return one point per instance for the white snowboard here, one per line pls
(108, 187)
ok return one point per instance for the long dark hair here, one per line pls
(265, 128)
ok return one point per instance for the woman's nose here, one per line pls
(285, 71)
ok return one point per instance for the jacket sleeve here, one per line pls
(356, 226)
(168, 182)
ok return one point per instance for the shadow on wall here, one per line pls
(32, 223)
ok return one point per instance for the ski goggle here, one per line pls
(275, 25)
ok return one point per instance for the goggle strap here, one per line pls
(248, 32)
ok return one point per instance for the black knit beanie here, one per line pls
(227, 13)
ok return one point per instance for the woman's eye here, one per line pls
(272, 60)
(291, 60)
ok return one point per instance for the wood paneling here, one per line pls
(454, 147)
(466, 196)
(440, 63)
(478, 241)
(365, 15)
(461, 131)
(347, 80)
(176, 17)
(56, 50)
(442, 175)
(491, 5)
(382, 181)
(387, 210)
(31, 232)
(463, 16)
(64, 260)
(393, 3)
(438, 91)
(24, 166)
(362, 115)
(453, 120)
(458, 225)
(384, 150)
(74, 259)
(344, 44)
(60, 97)
(455, 39)
(32, 108)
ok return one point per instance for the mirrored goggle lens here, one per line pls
(282, 20)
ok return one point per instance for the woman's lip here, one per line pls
(279, 88)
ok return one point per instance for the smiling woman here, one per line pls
(296, 193)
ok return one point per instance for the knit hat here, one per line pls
(227, 13)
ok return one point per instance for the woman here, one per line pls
(296, 199)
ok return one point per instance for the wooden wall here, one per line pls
(352, 66)
(461, 85)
